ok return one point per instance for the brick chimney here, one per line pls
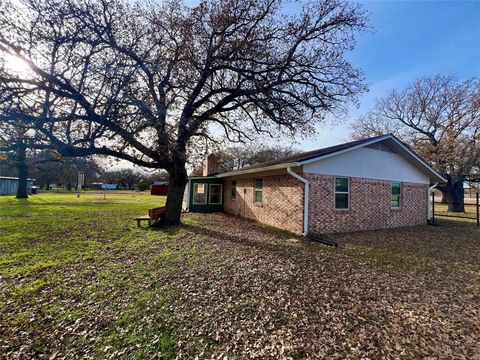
(210, 165)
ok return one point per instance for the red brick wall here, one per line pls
(282, 202)
(369, 205)
(210, 165)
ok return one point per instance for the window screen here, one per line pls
(233, 189)
(341, 193)
(215, 194)
(396, 194)
(199, 193)
(258, 193)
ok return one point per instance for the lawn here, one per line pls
(470, 214)
(79, 279)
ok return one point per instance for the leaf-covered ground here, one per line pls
(79, 280)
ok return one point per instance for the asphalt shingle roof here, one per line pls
(307, 155)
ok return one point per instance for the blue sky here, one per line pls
(410, 39)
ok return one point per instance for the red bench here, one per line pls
(153, 215)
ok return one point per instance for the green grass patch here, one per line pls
(139, 330)
(73, 265)
(468, 217)
(30, 288)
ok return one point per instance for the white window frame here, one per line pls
(233, 196)
(335, 192)
(255, 190)
(210, 191)
(399, 195)
(195, 186)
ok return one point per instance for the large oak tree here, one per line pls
(144, 83)
(439, 117)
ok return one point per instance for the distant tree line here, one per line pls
(48, 168)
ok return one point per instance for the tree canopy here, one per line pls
(143, 81)
(439, 117)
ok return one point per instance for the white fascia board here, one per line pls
(202, 177)
(256, 170)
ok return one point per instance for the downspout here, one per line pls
(187, 206)
(305, 199)
(430, 189)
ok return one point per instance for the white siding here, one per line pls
(370, 164)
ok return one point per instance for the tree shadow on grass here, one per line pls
(271, 244)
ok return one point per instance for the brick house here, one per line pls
(368, 184)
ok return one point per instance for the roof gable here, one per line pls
(309, 155)
(377, 161)
(389, 141)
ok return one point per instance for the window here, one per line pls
(215, 194)
(199, 193)
(258, 191)
(233, 189)
(396, 194)
(342, 188)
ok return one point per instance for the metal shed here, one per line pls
(9, 185)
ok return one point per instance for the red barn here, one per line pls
(160, 189)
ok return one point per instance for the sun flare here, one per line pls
(15, 64)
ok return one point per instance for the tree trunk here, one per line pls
(444, 199)
(176, 188)
(22, 190)
(454, 193)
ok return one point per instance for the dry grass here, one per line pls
(97, 287)
(469, 216)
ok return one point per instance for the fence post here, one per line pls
(478, 212)
(433, 207)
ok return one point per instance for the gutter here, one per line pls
(430, 189)
(305, 199)
(254, 170)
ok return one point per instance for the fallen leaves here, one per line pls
(206, 290)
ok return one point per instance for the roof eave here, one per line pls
(335, 153)
(433, 175)
(202, 177)
(256, 170)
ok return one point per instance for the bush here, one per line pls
(143, 185)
